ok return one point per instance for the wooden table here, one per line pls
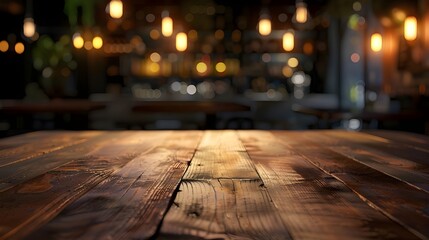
(76, 109)
(229, 184)
(51, 106)
(209, 108)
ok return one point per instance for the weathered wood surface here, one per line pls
(96, 147)
(226, 184)
(34, 202)
(312, 203)
(397, 199)
(223, 209)
(130, 202)
(34, 144)
(221, 164)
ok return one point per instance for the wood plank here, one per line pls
(355, 146)
(221, 164)
(226, 140)
(32, 145)
(396, 199)
(223, 209)
(32, 203)
(372, 143)
(130, 203)
(19, 172)
(312, 203)
(414, 140)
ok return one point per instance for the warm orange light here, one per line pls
(78, 41)
(154, 67)
(19, 47)
(29, 27)
(264, 26)
(155, 57)
(220, 67)
(410, 28)
(116, 8)
(88, 45)
(154, 34)
(167, 26)
(288, 41)
(292, 62)
(201, 67)
(301, 14)
(287, 71)
(97, 42)
(181, 41)
(308, 48)
(4, 46)
(376, 42)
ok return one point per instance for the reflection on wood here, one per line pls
(219, 164)
(312, 203)
(397, 199)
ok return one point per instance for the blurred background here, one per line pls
(214, 64)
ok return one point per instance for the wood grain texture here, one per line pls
(221, 164)
(96, 147)
(130, 203)
(396, 199)
(34, 202)
(312, 203)
(223, 209)
(414, 140)
(379, 155)
(35, 144)
(226, 140)
(388, 146)
(226, 184)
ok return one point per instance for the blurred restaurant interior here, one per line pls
(214, 64)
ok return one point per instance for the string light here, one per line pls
(116, 8)
(78, 41)
(97, 42)
(264, 26)
(29, 27)
(376, 42)
(410, 28)
(288, 41)
(181, 41)
(301, 12)
(166, 25)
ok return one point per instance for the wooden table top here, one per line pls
(220, 184)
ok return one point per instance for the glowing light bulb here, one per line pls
(410, 28)
(97, 42)
(78, 41)
(376, 42)
(167, 26)
(116, 8)
(220, 67)
(288, 41)
(29, 27)
(181, 41)
(264, 26)
(301, 14)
